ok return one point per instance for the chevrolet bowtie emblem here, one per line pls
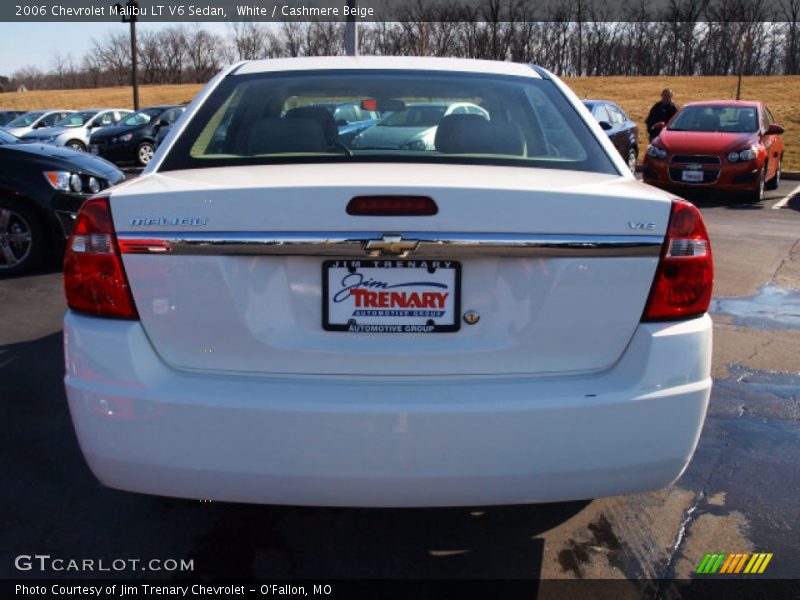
(391, 245)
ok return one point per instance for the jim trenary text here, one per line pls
(121, 590)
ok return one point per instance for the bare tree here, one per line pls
(203, 52)
(113, 52)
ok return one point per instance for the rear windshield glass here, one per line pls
(735, 119)
(285, 117)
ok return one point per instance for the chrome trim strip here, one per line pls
(431, 245)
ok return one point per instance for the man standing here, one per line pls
(661, 112)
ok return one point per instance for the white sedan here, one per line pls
(75, 129)
(269, 315)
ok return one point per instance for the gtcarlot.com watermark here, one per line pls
(48, 563)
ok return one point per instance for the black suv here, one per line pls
(133, 139)
(41, 189)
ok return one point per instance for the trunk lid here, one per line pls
(548, 310)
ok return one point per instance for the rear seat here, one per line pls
(473, 134)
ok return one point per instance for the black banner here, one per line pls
(687, 11)
(731, 588)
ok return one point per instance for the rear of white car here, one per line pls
(269, 316)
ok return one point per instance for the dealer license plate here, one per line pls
(391, 296)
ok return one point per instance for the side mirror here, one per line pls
(775, 129)
(341, 122)
(659, 126)
(605, 125)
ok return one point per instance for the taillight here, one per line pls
(685, 275)
(94, 279)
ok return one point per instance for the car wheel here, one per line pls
(632, 160)
(21, 238)
(773, 183)
(757, 195)
(144, 152)
(76, 145)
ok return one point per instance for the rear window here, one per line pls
(286, 117)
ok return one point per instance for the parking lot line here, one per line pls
(785, 200)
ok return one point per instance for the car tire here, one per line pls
(757, 195)
(144, 153)
(773, 183)
(76, 145)
(22, 240)
(632, 155)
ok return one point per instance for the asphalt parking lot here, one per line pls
(739, 494)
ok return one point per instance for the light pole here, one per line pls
(130, 17)
(351, 31)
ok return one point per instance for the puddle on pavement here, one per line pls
(772, 308)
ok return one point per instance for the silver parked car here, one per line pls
(74, 130)
(35, 119)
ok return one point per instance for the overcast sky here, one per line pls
(25, 44)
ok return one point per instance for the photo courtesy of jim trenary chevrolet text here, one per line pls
(400, 299)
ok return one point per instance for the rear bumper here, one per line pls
(372, 441)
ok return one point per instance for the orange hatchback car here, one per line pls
(732, 146)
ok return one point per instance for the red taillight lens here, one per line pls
(685, 275)
(392, 206)
(94, 279)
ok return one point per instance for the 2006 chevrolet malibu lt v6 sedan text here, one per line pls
(270, 315)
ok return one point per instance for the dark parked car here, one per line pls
(618, 126)
(351, 119)
(165, 126)
(41, 189)
(6, 116)
(134, 138)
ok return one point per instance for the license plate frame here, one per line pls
(692, 176)
(370, 268)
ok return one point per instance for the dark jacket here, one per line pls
(659, 113)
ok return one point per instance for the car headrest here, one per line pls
(321, 116)
(708, 122)
(275, 136)
(473, 134)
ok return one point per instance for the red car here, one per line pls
(732, 146)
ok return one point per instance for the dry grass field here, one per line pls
(634, 94)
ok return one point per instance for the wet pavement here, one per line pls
(739, 493)
(772, 308)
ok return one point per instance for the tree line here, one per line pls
(573, 38)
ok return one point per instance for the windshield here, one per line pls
(415, 116)
(7, 138)
(436, 116)
(25, 120)
(77, 119)
(143, 117)
(733, 119)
